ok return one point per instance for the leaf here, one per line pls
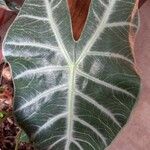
(1, 115)
(4, 115)
(24, 137)
(20, 137)
(72, 94)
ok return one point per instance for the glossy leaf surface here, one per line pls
(72, 95)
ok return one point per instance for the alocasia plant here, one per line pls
(69, 94)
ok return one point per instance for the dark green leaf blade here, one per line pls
(72, 95)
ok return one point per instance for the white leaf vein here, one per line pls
(91, 128)
(98, 31)
(56, 142)
(37, 45)
(103, 3)
(33, 17)
(108, 85)
(100, 107)
(110, 55)
(43, 70)
(78, 145)
(121, 24)
(78, 139)
(50, 122)
(56, 31)
(57, 5)
(41, 95)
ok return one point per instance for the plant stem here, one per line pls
(18, 139)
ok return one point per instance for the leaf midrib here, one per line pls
(70, 105)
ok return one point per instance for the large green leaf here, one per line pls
(72, 95)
